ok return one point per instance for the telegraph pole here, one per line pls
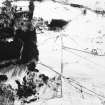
(61, 36)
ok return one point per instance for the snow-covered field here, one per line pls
(83, 33)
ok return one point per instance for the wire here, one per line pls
(87, 59)
(71, 80)
(65, 47)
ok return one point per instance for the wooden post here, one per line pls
(61, 63)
